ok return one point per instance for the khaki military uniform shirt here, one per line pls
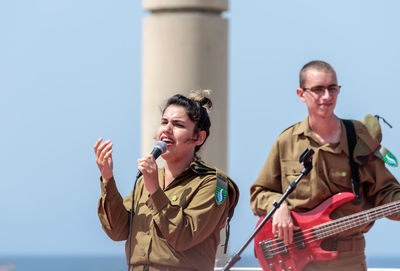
(330, 175)
(177, 226)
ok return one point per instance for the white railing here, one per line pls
(260, 269)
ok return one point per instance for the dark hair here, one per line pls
(197, 107)
(317, 65)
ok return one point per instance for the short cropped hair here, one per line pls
(317, 65)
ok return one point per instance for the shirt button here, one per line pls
(147, 232)
(143, 254)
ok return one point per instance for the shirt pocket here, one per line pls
(291, 170)
(341, 179)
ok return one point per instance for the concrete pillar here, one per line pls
(185, 47)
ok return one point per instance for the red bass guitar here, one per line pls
(315, 226)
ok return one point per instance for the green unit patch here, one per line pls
(220, 195)
(221, 189)
(390, 159)
(386, 156)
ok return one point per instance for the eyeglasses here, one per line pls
(320, 90)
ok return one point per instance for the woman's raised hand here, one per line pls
(104, 160)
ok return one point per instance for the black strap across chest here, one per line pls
(351, 142)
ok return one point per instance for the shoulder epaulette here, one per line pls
(201, 167)
(289, 127)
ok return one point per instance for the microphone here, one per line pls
(159, 148)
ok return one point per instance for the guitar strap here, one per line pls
(351, 142)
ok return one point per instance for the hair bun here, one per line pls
(200, 96)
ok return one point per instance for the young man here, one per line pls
(325, 133)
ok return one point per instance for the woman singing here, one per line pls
(179, 209)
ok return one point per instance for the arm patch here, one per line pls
(386, 156)
(221, 189)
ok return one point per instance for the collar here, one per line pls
(303, 128)
(197, 167)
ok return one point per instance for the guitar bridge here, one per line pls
(268, 249)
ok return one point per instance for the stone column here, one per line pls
(185, 47)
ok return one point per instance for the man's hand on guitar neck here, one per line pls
(282, 224)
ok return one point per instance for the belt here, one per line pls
(354, 243)
(152, 267)
(139, 268)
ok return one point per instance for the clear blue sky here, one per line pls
(70, 72)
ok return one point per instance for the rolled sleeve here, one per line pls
(111, 211)
(109, 188)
